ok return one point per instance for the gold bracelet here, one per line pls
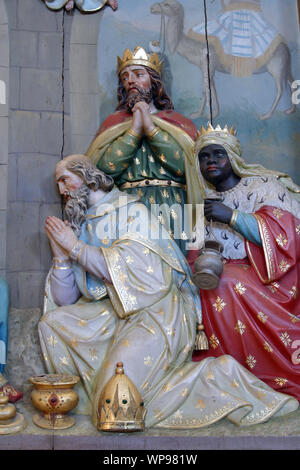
(61, 267)
(153, 133)
(76, 251)
(233, 218)
(59, 260)
(134, 134)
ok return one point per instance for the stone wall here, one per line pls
(4, 82)
(38, 111)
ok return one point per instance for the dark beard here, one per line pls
(76, 207)
(138, 95)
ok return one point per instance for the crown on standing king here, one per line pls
(140, 57)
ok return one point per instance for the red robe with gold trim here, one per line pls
(168, 115)
(254, 313)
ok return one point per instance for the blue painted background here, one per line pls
(275, 142)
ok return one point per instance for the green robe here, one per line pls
(129, 159)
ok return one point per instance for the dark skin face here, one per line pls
(216, 168)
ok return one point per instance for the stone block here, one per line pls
(23, 236)
(41, 90)
(24, 356)
(4, 45)
(24, 131)
(36, 178)
(13, 285)
(14, 87)
(12, 177)
(83, 64)
(50, 50)
(28, 177)
(3, 186)
(24, 48)
(66, 85)
(35, 16)
(3, 14)
(3, 140)
(80, 143)
(48, 188)
(45, 211)
(50, 135)
(67, 150)
(31, 289)
(11, 13)
(84, 113)
(2, 239)
(4, 89)
(85, 29)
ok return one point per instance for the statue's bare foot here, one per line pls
(113, 4)
(13, 394)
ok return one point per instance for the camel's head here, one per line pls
(167, 8)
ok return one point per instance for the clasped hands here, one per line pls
(142, 120)
(216, 210)
(61, 237)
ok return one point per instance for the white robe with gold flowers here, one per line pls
(147, 320)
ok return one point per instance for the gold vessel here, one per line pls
(54, 397)
(120, 407)
(10, 421)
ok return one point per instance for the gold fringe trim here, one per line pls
(242, 6)
(201, 342)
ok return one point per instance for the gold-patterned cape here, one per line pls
(147, 320)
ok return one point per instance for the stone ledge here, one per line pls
(25, 360)
(276, 434)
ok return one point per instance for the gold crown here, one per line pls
(218, 128)
(120, 407)
(140, 57)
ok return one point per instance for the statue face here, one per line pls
(135, 78)
(67, 181)
(214, 163)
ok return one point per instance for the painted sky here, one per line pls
(242, 100)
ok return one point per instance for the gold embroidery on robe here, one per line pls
(240, 327)
(213, 341)
(251, 361)
(267, 347)
(280, 381)
(148, 361)
(281, 241)
(285, 338)
(219, 304)
(277, 212)
(283, 266)
(240, 288)
(294, 292)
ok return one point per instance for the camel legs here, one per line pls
(206, 99)
(279, 68)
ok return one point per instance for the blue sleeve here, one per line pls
(246, 225)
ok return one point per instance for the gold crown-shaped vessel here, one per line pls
(218, 128)
(140, 57)
(120, 406)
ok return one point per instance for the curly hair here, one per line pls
(160, 98)
(82, 166)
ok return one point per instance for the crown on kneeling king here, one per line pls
(120, 407)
